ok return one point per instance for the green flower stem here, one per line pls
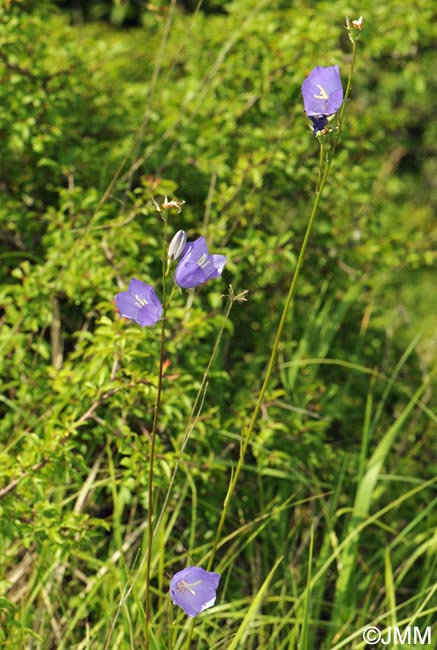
(247, 435)
(197, 406)
(353, 38)
(321, 152)
(194, 416)
(156, 411)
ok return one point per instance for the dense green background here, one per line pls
(106, 105)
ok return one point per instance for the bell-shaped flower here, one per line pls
(322, 94)
(197, 266)
(139, 303)
(194, 589)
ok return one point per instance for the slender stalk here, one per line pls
(321, 152)
(156, 411)
(348, 89)
(197, 407)
(247, 434)
(194, 416)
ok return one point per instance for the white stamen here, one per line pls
(186, 586)
(323, 93)
(140, 302)
(203, 261)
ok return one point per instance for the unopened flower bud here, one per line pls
(177, 245)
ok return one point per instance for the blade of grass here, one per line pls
(363, 501)
(306, 605)
(243, 630)
(390, 591)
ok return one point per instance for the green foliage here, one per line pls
(338, 479)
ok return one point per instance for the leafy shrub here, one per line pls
(100, 121)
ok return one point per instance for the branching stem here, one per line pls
(246, 435)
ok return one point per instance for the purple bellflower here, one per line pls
(197, 266)
(194, 589)
(322, 94)
(139, 303)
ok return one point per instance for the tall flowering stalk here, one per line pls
(246, 435)
(193, 588)
(153, 434)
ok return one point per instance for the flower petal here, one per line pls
(139, 303)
